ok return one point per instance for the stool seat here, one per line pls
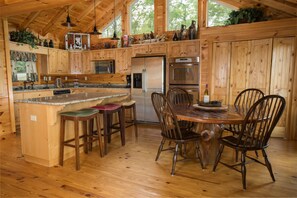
(80, 113)
(131, 102)
(107, 107)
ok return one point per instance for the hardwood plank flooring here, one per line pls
(131, 171)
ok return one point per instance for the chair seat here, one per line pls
(187, 135)
(129, 103)
(107, 107)
(80, 113)
(232, 141)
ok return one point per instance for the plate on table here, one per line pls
(211, 108)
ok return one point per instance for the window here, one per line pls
(109, 29)
(142, 16)
(181, 12)
(217, 13)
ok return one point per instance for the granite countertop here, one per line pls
(66, 99)
(18, 89)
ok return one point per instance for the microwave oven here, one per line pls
(104, 66)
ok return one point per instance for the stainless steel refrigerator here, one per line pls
(148, 76)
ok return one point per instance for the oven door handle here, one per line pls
(144, 88)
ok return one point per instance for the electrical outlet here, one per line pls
(86, 78)
(66, 78)
(33, 118)
(49, 78)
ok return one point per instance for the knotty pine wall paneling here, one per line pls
(7, 120)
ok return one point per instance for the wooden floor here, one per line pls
(131, 171)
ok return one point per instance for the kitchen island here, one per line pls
(40, 123)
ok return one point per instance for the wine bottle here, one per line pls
(206, 95)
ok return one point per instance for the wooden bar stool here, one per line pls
(83, 115)
(108, 110)
(131, 105)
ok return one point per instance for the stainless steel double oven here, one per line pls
(185, 73)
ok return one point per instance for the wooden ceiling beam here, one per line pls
(237, 3)
(101, 16)
(88, 10)
(54, 19)
(28, 6)
(279, 6)
(292, 1)
(29, 19)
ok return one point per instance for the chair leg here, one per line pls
(243, 169)
(256, 152)
(160, 149)
(134, 120)
(268, 165)
(109, 124)
(174, 158)
(62, 136)
(76, 136)
(122, 126)
(99, 135)
(91, 133)
(218, 157)
(105, 131)
(198, 154)
(85, 137)
(236, 155)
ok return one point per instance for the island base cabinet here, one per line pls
(40, 130)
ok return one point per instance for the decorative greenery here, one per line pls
(246, 15)
(24, 36)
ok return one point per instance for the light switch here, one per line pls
(33, 118)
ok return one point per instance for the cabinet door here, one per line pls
(175, 50)
(220, 72)
(121, 60)
(75, 62)
(160, 48)
(52, 61)
(282, 72)
(63, 62)
(140, 49)
(96, 55)
(108, 54)
(239, 61)
(86, 63)
(190, 48)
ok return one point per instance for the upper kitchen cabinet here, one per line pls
(87, 66)
(123, 60)
(147, 49)
(106, 54)
(57, 61)
(187, 48)
(75, 62)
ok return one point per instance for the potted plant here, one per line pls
(24, 36)
(245, 15)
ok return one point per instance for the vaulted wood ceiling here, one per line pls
(46, 16)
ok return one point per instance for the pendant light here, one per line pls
(114, 24)
(95, 31)
(68, 21)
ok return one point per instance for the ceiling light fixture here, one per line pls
(114, 24)
(68, 21)
(95, 31)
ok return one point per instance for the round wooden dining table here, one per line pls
(210, 124)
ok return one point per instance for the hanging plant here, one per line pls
(245, 15)
(24, 36)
